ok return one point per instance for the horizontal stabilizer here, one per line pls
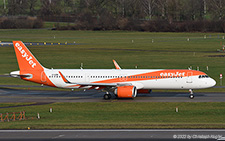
(17, 74)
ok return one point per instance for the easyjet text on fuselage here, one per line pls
(173, 74)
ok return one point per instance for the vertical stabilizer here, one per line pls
(30, 68)
(25, 58)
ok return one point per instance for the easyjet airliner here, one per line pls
(124, 83)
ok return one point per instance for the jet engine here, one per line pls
(126, 91)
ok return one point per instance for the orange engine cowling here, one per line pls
(126, 91)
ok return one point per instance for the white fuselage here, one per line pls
(141, 78)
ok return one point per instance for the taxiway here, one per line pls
(50, 96)
(115, 134)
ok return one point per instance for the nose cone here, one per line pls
(212, 82)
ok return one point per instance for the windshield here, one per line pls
(203, 76)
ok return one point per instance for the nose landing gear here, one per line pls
(191, 96)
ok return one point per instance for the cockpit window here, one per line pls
(203, 76)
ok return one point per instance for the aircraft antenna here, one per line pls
(81, 65)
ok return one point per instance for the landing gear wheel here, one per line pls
(191, 96)
(107, 96)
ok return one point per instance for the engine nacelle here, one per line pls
(126, 91)
(144, 91)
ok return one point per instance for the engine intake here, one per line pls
(126, 91)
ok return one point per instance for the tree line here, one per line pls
(141, 15)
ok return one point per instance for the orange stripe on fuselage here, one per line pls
(49, 82)
(163, 74)
(37, 78)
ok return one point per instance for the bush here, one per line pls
(106, 21)
(20, 22)
(186, 26)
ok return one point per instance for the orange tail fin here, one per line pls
(25, 58)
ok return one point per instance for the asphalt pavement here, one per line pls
(9, 94)
(114, 134)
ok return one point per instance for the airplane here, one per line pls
(123, 83)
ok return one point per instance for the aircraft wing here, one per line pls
(94, 84)
(98, 84)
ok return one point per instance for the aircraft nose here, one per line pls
(212, 82)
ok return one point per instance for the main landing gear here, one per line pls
(107, 96)
(191, 96)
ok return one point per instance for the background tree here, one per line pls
(51, 7)
(148, 7)
(17, 7)
(217, 9)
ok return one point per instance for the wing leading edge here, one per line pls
(94, 84)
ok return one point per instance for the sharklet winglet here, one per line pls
(116, 65)
(63, 77)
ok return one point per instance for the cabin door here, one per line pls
(189, 77)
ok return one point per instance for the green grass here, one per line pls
(99, 48)
(54, 24)
(120, 115)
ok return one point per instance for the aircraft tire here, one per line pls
(107, 96)
(191, 96)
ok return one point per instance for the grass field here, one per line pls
(97, 50)
(119, 115)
